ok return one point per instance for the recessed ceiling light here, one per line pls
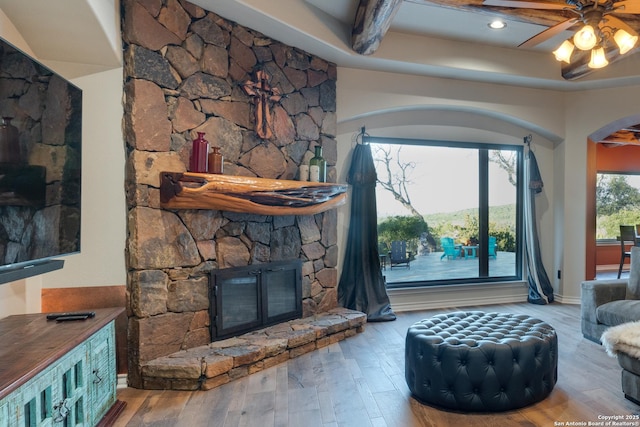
(497, 24)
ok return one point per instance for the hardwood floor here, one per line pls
(360, 382)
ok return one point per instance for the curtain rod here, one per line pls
(411, 141)
(365, 138)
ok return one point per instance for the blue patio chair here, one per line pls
(449, 248)
(399, 256)
(492, 247)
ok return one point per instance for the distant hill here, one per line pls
(503, 214)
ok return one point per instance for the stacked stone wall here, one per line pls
(184, 69)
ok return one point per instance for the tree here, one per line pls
(407, 228)
(507, 162)
(608, 226)
(395, 181)
(614, 194)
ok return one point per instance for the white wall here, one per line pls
(585, 113)
(362, 94)
(403, 106)
(101, 261)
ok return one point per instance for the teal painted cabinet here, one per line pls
(101, 350)
(66, 375)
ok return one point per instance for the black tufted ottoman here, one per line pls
(475, 361)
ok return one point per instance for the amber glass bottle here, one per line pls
(216, 161)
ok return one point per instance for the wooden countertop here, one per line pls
(29, 343)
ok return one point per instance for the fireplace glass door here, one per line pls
(280, 292)
(251, 297)
(241, 303)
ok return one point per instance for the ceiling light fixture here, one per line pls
(585, 38)
(601, 31)
(497, 24)
(598, 58)
(596, 39)
(563, 53)
(625, 41)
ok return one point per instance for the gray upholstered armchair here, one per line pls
(606, 303)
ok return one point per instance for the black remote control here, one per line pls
(56, 316)
(71, 318)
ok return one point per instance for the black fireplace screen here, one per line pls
(251, 297)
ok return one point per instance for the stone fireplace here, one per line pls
(243, 299)
(182, 74)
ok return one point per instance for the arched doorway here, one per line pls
(612, 148)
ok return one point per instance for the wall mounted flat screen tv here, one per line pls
(40, 163)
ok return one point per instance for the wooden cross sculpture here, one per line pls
(262, 94)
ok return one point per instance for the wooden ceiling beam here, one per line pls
(622, 137)
(373, 19)
(530, 16)
(371, 23)
(547, 18)
(579, 62)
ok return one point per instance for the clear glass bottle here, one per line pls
(199, 154)
(318, 167)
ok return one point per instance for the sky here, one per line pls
(444, 180)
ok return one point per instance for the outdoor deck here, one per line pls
(431, 267)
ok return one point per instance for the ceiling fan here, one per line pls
(601, 31)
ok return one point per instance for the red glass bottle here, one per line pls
(9, 143)
(199, 154)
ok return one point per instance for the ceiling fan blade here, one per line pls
(619, 24)
(548, 33)
(528, 4)
(628, 6)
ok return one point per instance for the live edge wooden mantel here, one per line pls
(261, 196)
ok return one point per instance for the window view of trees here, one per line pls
(428, 192)
(394, 174)
(412, 229)
(617, 203)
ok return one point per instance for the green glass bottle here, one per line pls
(318, 167)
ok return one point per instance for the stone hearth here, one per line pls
(209, 366)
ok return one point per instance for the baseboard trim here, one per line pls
(611, 267)
(425, 298)
(122, 381)
(566, 300)
(112, 414)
